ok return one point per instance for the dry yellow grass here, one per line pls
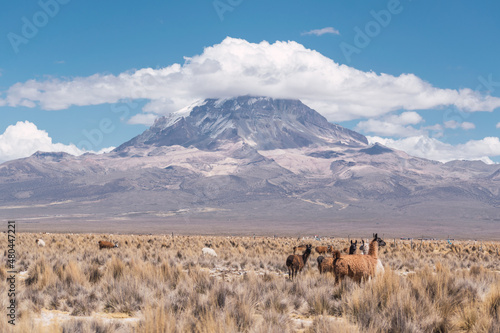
(162, 284)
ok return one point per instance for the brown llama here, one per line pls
(106, 245)
(357, 266)
(321, 249)
(295, 263)
(326, 265)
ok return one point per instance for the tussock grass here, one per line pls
(170, 286)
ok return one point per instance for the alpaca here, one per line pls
(40, 242)
(365, 247)
(208, 251)
(353, 247)
(295, 263)
(357, 266)
(106, 245)
(321, 249)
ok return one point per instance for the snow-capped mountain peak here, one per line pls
(262, 122)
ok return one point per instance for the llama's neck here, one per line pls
(373, 249)
(305, 256)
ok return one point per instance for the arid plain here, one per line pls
(160, 283)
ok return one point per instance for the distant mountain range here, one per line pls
(251, 164)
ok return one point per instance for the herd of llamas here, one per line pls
(355, 266)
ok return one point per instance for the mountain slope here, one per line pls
(263, 123)
(251, 163)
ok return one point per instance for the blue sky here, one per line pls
(422, 76)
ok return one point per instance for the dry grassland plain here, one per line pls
(157, 283)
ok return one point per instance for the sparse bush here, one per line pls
(171, 288)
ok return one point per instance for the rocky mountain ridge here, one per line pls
(251, 163)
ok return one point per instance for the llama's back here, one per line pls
(209, 251)
(356, 264)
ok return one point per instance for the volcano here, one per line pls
(251, 165)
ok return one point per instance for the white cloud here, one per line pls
(143, 118)
(237, 67)
(454, 125)
(319, 32)
(24, 139)
(467, 125)
(386, 128)
(498, 125)
(393, 125)
(431, 148)
(405, 118)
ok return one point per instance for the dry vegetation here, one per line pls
(163, 284)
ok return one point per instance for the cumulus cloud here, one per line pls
(454, 125)
(142, 118)
(431, 148)
(393, 125)
(386, 128)
(24, 139)
(238, 67)
(319, 32)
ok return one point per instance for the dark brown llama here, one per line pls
(320, 260)
(295, 263)
(353, 247)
